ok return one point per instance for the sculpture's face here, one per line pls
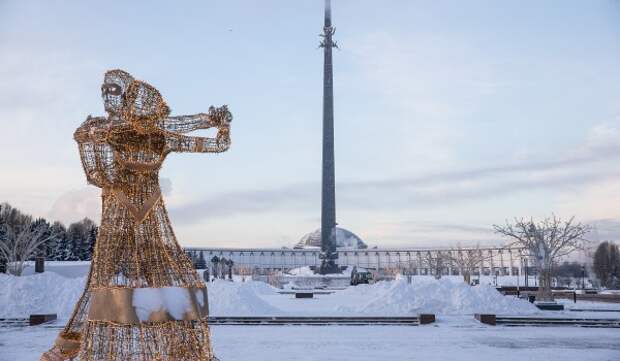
(115, 84)
(112, 94)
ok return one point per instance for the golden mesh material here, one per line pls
(180, 340)
(136, 246)
(145, 108)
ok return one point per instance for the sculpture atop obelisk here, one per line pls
(328, 197)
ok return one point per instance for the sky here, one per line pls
(450, 116)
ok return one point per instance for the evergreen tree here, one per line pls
(12, 216)
(43, 249)
(75, 236)
(92, 238)
(60, 242)
(81, 236)
(72, 244)
(606, 264)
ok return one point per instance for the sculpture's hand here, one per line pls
(84, 131)
(102, 131)
(220, 117)
(99, 134)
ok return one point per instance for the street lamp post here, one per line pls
(525, 271)
(583, 277)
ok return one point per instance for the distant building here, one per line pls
(501, 261)
(345, 239)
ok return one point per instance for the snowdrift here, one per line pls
(240, 299)
(46, 292)
(51, 293)
(442, 297)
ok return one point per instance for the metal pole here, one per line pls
(518, 276)
(527, 276)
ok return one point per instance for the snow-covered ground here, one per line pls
(72, 269)
(452, 338)
(455, 336)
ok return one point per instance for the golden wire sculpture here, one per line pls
(143, 300)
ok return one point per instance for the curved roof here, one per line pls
(344, 239)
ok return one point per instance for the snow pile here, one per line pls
(240, 299)
(307, 272)
(46, 292)
(260, 288)
(49, 292)
(301, 271)
(444, 297)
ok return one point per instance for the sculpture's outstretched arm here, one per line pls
(185, 123)
(217, 117)
(96, 155)
(189, 123)
(183, 143)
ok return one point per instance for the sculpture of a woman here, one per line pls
(143, 300)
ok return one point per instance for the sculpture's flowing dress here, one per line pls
(143, 299)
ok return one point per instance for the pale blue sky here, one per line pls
(450, 115)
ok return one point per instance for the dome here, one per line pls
(344, 239)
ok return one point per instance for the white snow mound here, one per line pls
(240, 299)
(444, 297)
(51, 293)
(46, 292)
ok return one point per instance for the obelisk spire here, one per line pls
(328, 13)
(328, 191)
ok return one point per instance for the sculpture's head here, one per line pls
(113, 90)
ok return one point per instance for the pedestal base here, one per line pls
(316, 282)
(549, 306)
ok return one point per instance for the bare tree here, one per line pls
(466, 260)
(18, 242)
(244, 271)
(546, 241)
(435, 262)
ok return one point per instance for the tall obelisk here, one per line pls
(328, 196)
